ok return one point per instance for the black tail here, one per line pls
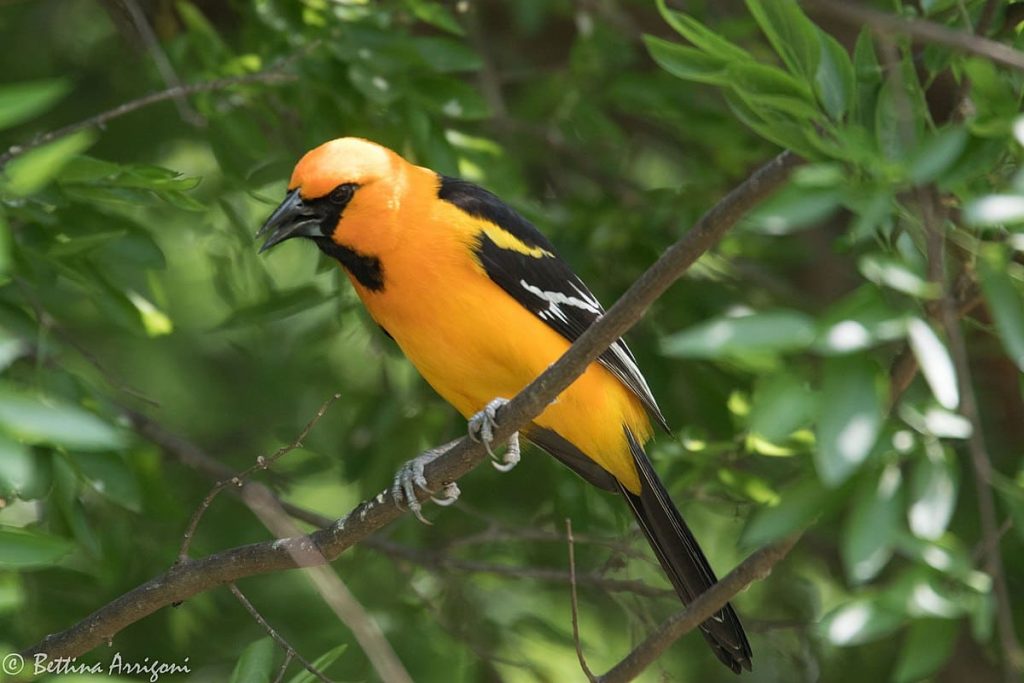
(683, 560)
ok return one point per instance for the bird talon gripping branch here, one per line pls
(481, 429)
(447, 269)
(411, 476)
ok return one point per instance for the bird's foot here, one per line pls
(411, 477)
(481, 428)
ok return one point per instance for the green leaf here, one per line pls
(38, 419)
(872, 526)
(936, 364)
(850, 418)
(766, 86)
(791, 33)
(893, 273)
(933, 489)
(995, 210)
(436, 15)
(798, 506)
(757, 333)
(834, 82)
(110, 476)
(321, 663)
(926, 648)
(859, 621)
(445, 55)
(1004, 301)
(781, 404)
(256, 663)
(25, 549)
(686, 62)
(5, 250)
(17, 468)
(793, 208)
(859, 321)
(21, 101)
(452, 98)
(31, 171)
(703, 38)
(936, 154)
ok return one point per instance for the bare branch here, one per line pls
(289, 651)
(884, 23)
(190, 577)
(755, 568)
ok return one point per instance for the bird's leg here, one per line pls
(411, 476)
(481, 428)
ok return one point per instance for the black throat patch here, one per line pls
(367, 270)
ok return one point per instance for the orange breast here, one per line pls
(473, 342)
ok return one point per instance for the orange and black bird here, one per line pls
(480, 302)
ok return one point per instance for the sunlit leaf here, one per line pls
(32, 170)
(850, 417)
(791, 33)
(937, 154)
(936, 365)
(766, 332)
(933, 490)
(888, 271)
(38, 419)
(995, 209)
(859, 621)
(872, 525)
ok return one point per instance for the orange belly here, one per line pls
(477, 343)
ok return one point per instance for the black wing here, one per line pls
(542, 282)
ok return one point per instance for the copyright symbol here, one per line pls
(13, 664)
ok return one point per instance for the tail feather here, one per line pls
(683, 560)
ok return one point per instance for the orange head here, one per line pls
(344, 195)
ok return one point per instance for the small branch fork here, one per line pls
(191, 576)
(261, 463)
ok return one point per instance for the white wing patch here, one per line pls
(555, 301)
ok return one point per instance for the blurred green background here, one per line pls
(130, 282)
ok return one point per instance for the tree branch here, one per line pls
(925, 31)
(270, 76)
(755, 568)
(193, 576)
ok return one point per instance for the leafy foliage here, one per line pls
(130, 282)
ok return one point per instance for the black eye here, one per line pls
(341, 195)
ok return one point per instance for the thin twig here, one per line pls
(277, 637)
(270, 76)
(163, 64)
(261, 463)
(575, 604)
(194, 576)
(884, 23)
(755, 568)
(437, 561)
(284, 666)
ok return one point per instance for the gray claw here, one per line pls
(481, 429)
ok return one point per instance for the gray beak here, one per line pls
(292, 218)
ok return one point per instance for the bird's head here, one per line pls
(339, 196)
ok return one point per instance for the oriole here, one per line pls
(478, 299)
